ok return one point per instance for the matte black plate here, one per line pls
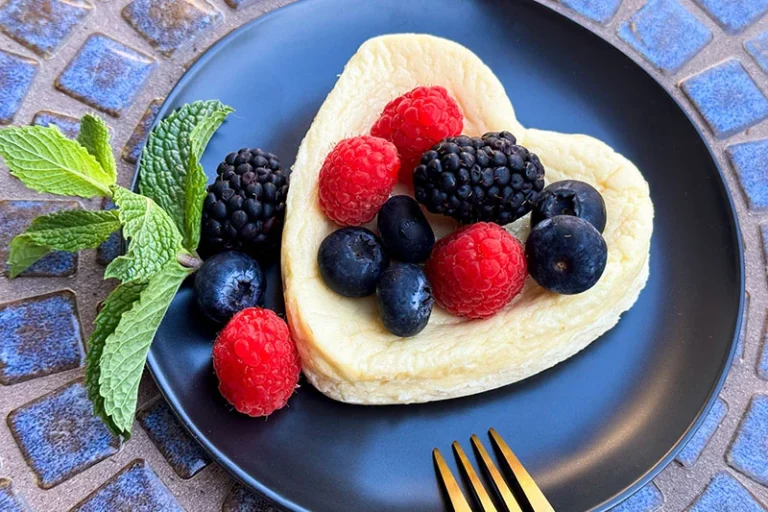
(591, 430)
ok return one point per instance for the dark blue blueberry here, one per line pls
(570, 197)
(404, 230)
(351, 261)
(227, 283)
(405, 299)
(566, 254)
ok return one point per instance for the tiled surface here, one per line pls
(68, 125)
(106, 63)
(42, 25)
(10, 500)
(111, 247)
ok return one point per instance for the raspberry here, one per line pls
(256, 362)
(416, 121)
(357, 178)
(477, 270)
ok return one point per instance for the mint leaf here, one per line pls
(119, 302)
(125, 350)
(171, 156)
(94, 137)
(46, 161)
(152, 235)
(69, 231)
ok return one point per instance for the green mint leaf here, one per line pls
(69, 231)
(168, 158)
(94, 137)
(119, 302)
(125, 350)
(153, 239)
(47, 161)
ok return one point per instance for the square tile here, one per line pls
(41, 336)
(757, 47)
(42, 25)
(16, 76)
(15, 217)
(182, 452)
(132, 150)
(597, 10)
(647, 499)
(734, 15)
(169, 25)
(749, 450)
(10, 500)
(665, 33)
(727, 97)
(241, 499)
(136, 488)
(106, 74)
(112, 247)
(691, 452)
(59, 435)
(68, 125)
(750, 161)
(725, 494)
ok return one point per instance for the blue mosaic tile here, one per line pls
(16, 76)
(750, 160)
(42, 25)
(665, 33)
(169, 25)
(10, 501)
(690, 454)
(734, 15)
(241, 499)
(15, 216)
(182, 452)
(136, 488)
(41, 336)
(132, 150)
(748, 452)
(727, 97)
(725, 494)
(106, 74)
(69, 126)
(598, 10)
(59, 435)
(112, 246)
(757, 47)
(647, 499)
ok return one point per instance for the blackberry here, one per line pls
(479, 179)
(245, 205)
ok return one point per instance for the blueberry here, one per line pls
(351, 261)
(570, 197)
(405, 299)
(227, 283)
(566, 254)
(404, 230)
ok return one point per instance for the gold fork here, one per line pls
(529, 496)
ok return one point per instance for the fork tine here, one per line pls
(457, 498)
(477, 486)
(501, 486)
(532, 492)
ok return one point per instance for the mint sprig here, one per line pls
(162, 228)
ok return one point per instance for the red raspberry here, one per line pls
(357, 178)
(477, 270)
(416, 121)
(256, 362)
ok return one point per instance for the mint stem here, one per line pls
(189, 260)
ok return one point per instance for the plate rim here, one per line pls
(249, 482)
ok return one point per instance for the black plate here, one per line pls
(591, 430)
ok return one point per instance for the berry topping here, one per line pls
(477, 270)
(570, 197)
(405, 299)
(351, 261)
(227, 283)
(566, 254)
(488, 178)
(357, 178)
(245, 205)
(416, 121)
(404, 230)
(256, 362)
